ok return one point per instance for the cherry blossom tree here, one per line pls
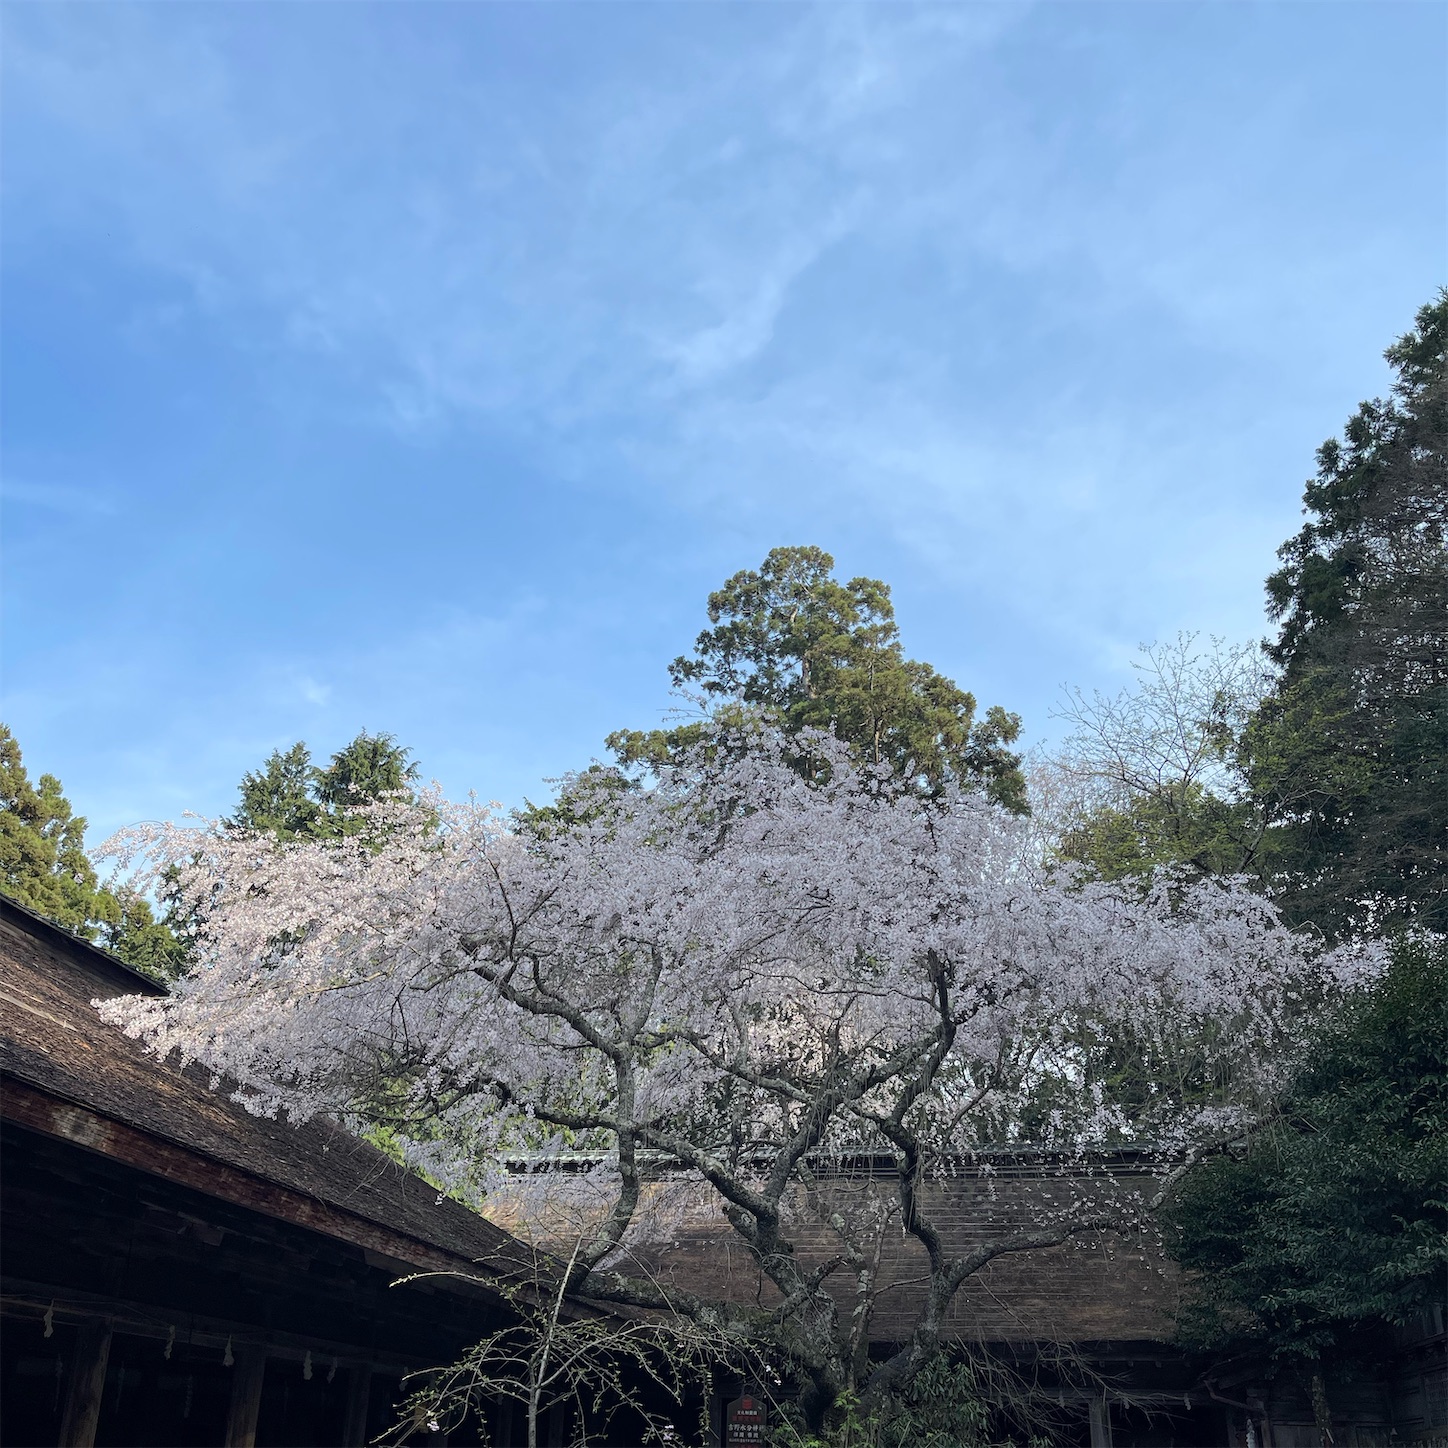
(731, 976)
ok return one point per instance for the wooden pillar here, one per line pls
(557, 1425)
(87, 1385)
(502, 1423)
(245, 1397)
(359, 1394)
(1100, 1423)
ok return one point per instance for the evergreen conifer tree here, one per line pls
(44, 866)
(1349, 753)
(292, 798)
(791, 640)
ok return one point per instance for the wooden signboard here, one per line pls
(744, 1421)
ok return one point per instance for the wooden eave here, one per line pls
(68, 1075)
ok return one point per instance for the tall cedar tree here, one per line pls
(794, 642)
(44, 866)
(1350, 752)
(293, 799)
(288, 797)
(42, 846)
(1331, 1229)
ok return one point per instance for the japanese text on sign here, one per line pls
(744, 1422)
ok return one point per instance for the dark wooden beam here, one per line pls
(87, 1384)
(28, 1106)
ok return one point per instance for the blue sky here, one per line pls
(423, 366)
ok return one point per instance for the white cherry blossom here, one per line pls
(731, 977)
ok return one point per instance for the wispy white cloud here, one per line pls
(747, 321)
(1037, 311)
(314, 693)
(492, 262)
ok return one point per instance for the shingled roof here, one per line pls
(1098, 1288)
(1094, 1289)
(69, 1074)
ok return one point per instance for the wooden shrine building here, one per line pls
(177, 1271)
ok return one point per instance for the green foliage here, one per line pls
(42, 847)
(793, 641)
(586, 797)
(1333, 1223)
(1350, 752)
(279, 797)
(941, 1407)
(44, 866)
(370, 768)
(1331, 787)
(131, 931)
(950, 1402)
(43, 863)
(293, 799)
(1150, 778)
(1185, 827)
